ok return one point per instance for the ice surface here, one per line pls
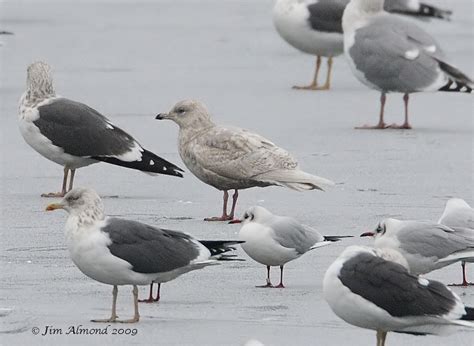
(132, 60)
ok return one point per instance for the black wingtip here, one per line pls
(469, 316)
(336, 237)
(149, 163)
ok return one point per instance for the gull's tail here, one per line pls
(457, 81)
(328, 240)
(294, 179)
(149, 163)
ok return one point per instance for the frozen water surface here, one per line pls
(132, 60)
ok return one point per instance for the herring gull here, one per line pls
(117, 252)
(74, 135)
(427, 246)
(373, 289)
(390, 54)
(315, 27)
(459, 216)
(230, 158)
(275, 240)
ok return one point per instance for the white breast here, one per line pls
(261, 247)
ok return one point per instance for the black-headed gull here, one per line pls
(427, 246)
(275, 240)
(459, 216)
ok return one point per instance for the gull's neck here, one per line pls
(37, 91)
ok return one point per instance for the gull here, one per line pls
(230, 158)
(275, 240)
(390, 54)
(74, 135)
(373, 289)
(459, 216)
(118, 252)
(427, 246)
(315, 27)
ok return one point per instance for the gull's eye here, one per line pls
(72, 198)
(380, 229)
(180, 110)
(246, 216)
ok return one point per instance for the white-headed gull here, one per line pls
(230, 158)
(74, 135)
(124, 252)
(373, 289)
(274, 240)
(427, 246)
(459, 216)
(315, 27)
(390, 54)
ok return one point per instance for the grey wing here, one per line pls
(81, 130)
(391, 287)
(396, 55)
(326, 15)
(239, 154)
(148, 249)
(291, 234)
(432, 240)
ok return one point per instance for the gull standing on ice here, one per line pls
(390, 54)
(230, 158)
(275, 240)
(74, 135)
(373, 289)
(315, 27)
(124, 252)
(427, 246)
(459, 216)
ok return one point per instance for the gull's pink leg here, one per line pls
(224, 216)
(464, 283)
(381, 125)
(405, 125)
(63, 190)
(280, 285)
(269, 284)
(150, 297)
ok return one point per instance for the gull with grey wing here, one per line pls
(74, 135)
(124, 252)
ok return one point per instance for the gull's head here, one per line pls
(256, 214)
(39, 80)
(188, 114)
(81, 202)
(384, 227)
